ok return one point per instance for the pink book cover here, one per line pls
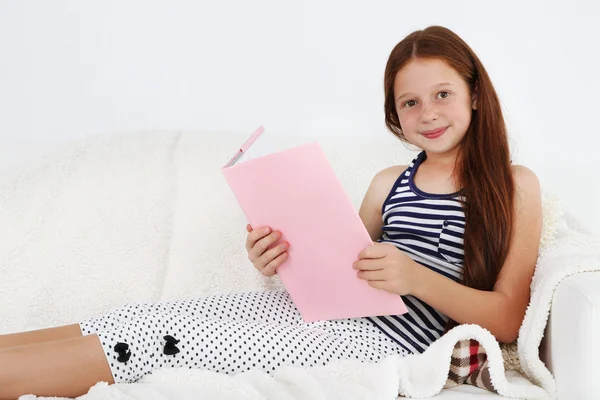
(297, 192)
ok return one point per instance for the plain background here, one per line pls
(70, 69)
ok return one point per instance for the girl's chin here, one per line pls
(439, 148)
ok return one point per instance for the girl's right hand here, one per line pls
(265, 260)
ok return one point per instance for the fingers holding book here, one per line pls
(264, 255)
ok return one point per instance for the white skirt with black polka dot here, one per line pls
(229, 333)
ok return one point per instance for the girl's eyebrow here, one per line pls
(434, 86)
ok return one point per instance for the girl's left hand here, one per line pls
(386, 267)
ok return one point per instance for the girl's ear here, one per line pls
(474, 98)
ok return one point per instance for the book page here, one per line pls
(265, 144)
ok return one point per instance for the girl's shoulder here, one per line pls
(525, 179)
(392, 171)
(528, 196)
(382, 183)
(384, 180)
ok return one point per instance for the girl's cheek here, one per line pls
(408, 118)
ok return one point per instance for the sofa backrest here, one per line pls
(140, 216)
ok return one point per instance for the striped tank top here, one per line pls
(429, 228)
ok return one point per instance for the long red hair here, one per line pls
(483, 165)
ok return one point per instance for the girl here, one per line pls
(456, 232)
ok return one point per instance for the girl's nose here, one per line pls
(428, 113)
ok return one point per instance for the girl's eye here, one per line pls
(412, 101)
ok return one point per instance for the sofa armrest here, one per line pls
(570, 348)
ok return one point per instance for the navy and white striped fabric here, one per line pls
(429, 228)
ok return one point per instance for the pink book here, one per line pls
(296, 191)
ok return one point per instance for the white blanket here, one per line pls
(419, 376)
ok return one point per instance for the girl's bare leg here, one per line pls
(62, 368)
(40, 335)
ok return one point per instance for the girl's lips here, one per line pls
(435, 134)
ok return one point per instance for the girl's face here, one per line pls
(431, 95)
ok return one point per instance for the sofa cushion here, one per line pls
(85, 228)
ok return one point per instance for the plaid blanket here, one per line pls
(469, 364)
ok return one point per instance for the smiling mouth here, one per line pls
(435, 133)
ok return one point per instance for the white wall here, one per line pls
(72, 68)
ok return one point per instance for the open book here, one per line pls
(296, 191)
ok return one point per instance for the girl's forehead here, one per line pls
(426, 68)
(423, 74)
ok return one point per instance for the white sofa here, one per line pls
(147, 216)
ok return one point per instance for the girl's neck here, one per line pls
(444, 161)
